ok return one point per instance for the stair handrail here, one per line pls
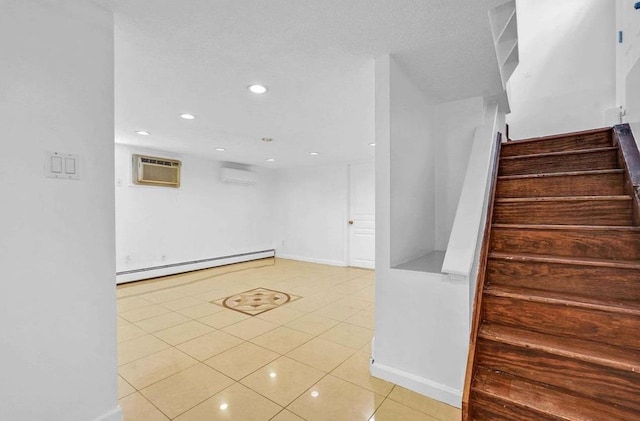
(477, 302)
(630, 159)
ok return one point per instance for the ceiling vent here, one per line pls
(154, 171)
(238, 176)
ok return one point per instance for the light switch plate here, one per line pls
(65, 166)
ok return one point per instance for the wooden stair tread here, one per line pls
(560, 153)
(588, 351)
(579, 261)
(621, 228)
(562, 199)
(560, 174)
(556, 136)
(548, 401)
(629, 308)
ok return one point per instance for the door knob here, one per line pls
(350, 221)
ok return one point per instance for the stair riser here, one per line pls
(491, 409)
(600, 160)
(599, 244)
(571, 143)
(591, 281)
(569, 185)
(576, 212)
(570, 374)
(559, 319)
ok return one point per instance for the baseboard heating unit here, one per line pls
(173, 268)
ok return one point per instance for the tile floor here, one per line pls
(183, 358)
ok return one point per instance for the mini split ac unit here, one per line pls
(233, 175)
(154, 171)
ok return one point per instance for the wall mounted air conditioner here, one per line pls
(154, 171)
(234, 175)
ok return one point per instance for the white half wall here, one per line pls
(204, 218)
(566, 77)
(311, 214)
(57, 248)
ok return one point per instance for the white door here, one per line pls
(362, 215)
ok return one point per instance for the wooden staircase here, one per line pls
(556, 327)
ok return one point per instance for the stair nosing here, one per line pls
(558, 136)
(627, 366)
(561, 174)
(567, 260)
(560, 153)
(619, 197)
(567, 300)
(552, 227)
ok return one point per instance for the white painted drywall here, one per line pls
(57, 249)
(411, 169)
(421, 318)
(456, 124)
(204, 218)
(311, 213)
(566, 77)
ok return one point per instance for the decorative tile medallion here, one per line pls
(256, 301)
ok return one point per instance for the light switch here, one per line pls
(70, 165)
(56, 164)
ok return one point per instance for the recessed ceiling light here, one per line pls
(257, 89)
(267, 139)
(187, 116)
(315, 394)
(224, 406)
(143, 133)
(314, 153)
(372, 144)
(220, 149)
(270, 159)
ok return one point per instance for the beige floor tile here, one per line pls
(336, 311)
(436, 409)
(286, 416)
(161, 322)
(348, 335)
(355, 302)
(200, 310)
(181, 303)
(212, 294)
(124, 388)
(336, 400)
(282, 380)
(128, 331)
(393, 411)
(223, 318)
(321, 354)
(138, 348)
(136, 408)
(282, 339)
(234, 403)
(307, 304)
(164, 295)
(132, 303)
(242, 360)
(250, 328)
(356, 370)
(148, 370)
(368, 294)
(143, 313)
(206, 346)
(364, 318)
(312, 324)
(184, 390)
(280, 315)
(182, 333)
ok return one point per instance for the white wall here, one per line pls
(566, 77)
(421, 334)
(204, 218)
(456, 124)
(412, 170)
(311, 213)
(57, 295)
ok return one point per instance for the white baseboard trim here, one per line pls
(418, 384)
(172, 269)
(114, 415)
(312, 260)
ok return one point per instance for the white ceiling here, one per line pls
(316, 57)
